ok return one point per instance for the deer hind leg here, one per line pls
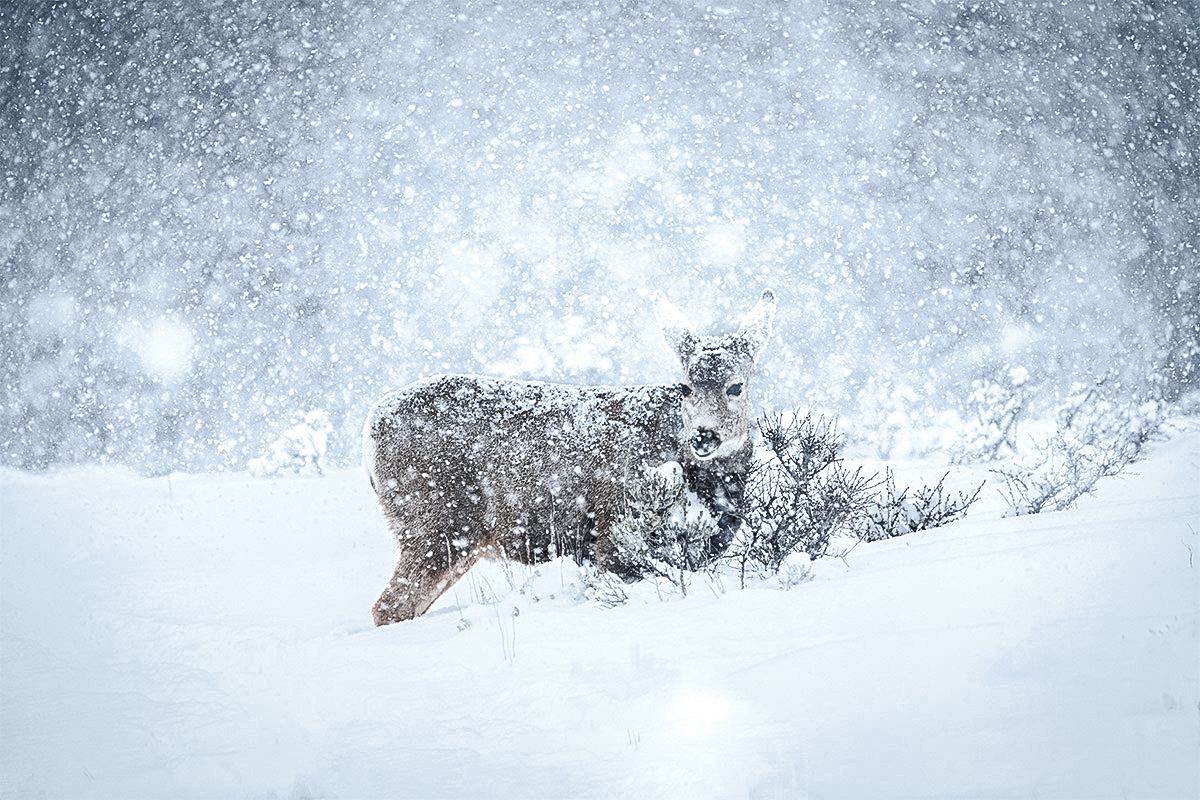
(428, 566)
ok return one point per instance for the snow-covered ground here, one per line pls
(210, 636)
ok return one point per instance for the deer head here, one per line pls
(717, 370)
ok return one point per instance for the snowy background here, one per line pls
(218, 217)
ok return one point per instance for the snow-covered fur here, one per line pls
(470, 467)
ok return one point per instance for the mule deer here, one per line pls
(469, 467)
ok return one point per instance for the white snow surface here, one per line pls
(210, 636)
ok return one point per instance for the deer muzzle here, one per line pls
(705, 442)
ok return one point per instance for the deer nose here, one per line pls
(705, 442)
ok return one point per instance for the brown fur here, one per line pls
(469, 467)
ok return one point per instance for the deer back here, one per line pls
(525, 469)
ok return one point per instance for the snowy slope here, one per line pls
(209, 636)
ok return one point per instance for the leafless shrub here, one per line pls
(1097, 437)
(799, 497)
(898, 513)
(602, 586)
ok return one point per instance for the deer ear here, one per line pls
(755, 329)
(675, 327)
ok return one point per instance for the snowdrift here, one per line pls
(209, 636)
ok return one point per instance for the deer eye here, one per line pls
(735, 390)
(684, 389)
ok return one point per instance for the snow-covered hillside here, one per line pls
(210, 636)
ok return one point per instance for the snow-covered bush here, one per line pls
(795, 570)
(1097, 437)
(995, 408)
(799, 495)
(301, 448)
(601, 586)
(665, 531)
(895, 513)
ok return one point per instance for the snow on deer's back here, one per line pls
(469, 467)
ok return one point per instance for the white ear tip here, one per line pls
(756, 327)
